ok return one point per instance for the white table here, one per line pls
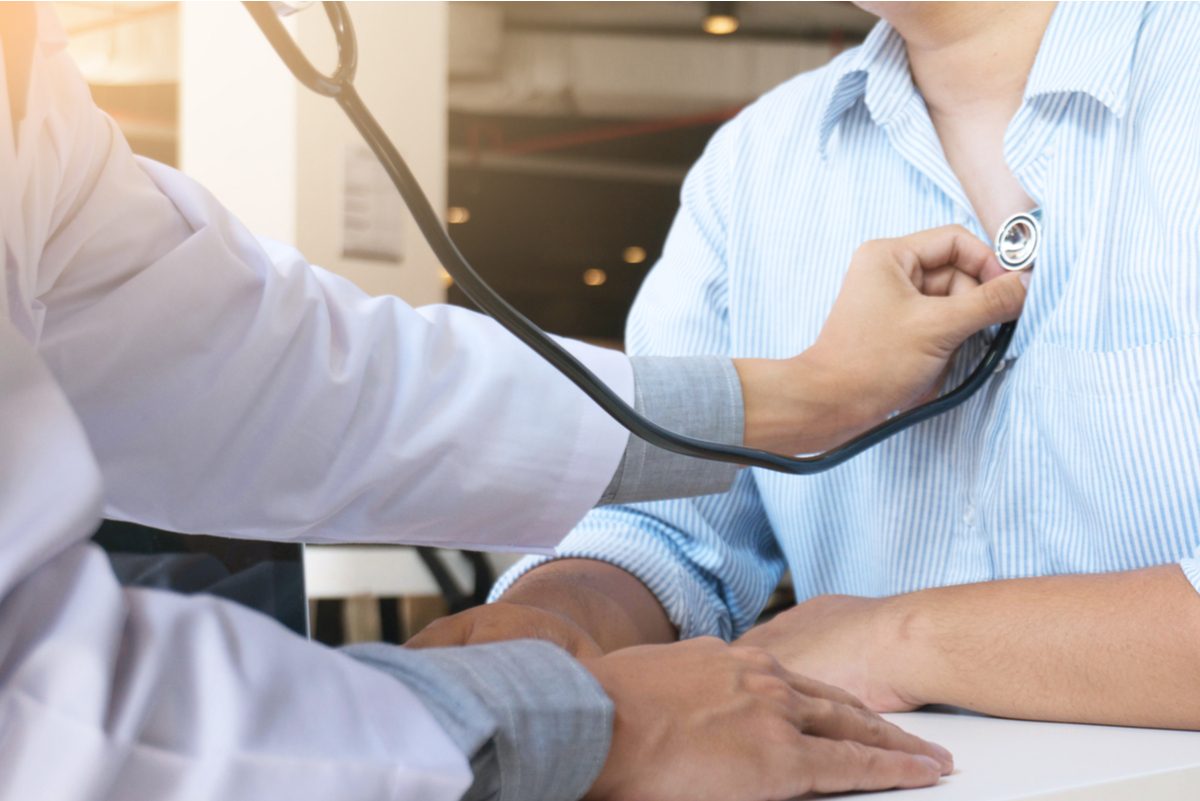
(1007, 760)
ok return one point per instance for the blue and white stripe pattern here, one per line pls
(1082, 454)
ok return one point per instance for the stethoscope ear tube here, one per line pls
(340, 86)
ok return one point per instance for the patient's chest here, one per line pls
(1083, 452)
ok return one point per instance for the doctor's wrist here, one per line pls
(798, 405)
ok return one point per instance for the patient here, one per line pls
(1031, 554)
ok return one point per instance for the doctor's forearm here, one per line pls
(786, 406)
(1117, 648)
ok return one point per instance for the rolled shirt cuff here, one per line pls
(533, 721)
(700, 396)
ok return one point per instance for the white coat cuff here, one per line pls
(699, 396)
(533, 721)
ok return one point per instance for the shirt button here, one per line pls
(969, 515)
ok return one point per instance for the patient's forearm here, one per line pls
(608, 603)
(1112, 648)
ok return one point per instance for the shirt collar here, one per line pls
(1087, 48)
(878, 64)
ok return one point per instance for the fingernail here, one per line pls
(1025, 277)
(943, 756)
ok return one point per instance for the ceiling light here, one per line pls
(721, 19)
(457, 215)
(594, 276)
(634, 255)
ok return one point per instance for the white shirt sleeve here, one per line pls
(229, 387)
(139, 695)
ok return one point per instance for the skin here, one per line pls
(905, 306)
(1118, 648)
(760, 732)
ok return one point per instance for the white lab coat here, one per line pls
(158, 364)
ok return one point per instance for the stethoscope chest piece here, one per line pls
(1019, 240)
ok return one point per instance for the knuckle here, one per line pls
(874, 726)
(778, 731)
(872, 249)
(774, 688)
(863, 761)
(823, 710)
(749, 654)
(994, 300)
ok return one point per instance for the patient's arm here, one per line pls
(1119, 648)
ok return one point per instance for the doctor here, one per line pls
(159, 364)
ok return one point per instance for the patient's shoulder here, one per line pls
(780, 131)
(797, 105)
(1164, 107)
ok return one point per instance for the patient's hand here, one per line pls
(905, 306)
(841, 640)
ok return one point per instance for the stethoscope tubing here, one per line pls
(340, 86)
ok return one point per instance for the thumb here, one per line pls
(996, 301)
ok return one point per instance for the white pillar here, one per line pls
(276, 153)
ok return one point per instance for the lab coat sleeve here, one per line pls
(115, 694)
(112, 694)
(229, 387)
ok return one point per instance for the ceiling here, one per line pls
(572, 126)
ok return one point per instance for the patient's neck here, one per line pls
(965, 56)
(971, 62)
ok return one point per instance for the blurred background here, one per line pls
(554, 135)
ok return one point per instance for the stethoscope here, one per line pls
(1016, 247)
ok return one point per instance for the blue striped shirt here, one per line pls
(1082, 454)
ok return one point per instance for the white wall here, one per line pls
(237, 117)
(275, 153)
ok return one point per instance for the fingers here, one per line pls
(834, 721)
(818, 689)
(947, 246)
(947, 280)
(503, 621)
(830, 766)
(442, 633)
(830, 712)
(990, 303)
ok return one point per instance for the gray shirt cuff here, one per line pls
(700, 396)
(534, 723)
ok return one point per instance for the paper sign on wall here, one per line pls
(372, 212)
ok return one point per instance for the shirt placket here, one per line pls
(1027, 145)
(911, 133)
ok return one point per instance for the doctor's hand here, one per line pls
(504, 620)
(704, 721)
(905, 307)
